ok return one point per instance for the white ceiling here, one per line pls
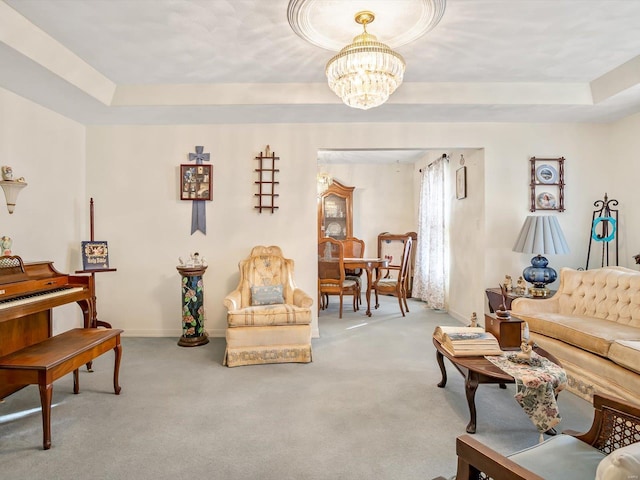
(238, 61)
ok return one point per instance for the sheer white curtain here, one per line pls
(429, 277)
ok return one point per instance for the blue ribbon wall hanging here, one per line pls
(198, 209)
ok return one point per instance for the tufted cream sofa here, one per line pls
(592, 325)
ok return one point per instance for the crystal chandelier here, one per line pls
(364, 73)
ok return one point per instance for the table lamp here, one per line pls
(540, 235)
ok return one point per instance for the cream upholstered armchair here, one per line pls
(268, 319)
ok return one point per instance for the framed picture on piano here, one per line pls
(95, 255)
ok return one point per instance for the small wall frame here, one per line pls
(461, 183)
(196, 181)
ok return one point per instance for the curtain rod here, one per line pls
(443, 157)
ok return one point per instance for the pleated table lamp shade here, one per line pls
(541, 235)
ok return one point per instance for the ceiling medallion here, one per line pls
(364, 73)
(326, 23)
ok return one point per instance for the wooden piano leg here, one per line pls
(46, 393)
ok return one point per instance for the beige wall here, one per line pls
(51, 213)
(466, 235)
(132, 171)
(622, 158)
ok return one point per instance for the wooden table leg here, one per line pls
(116, 368)
(471, 385)
(369, 292)
(46, 393)
(443, 370)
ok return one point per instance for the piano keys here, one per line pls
(38, 297)
(28, 293)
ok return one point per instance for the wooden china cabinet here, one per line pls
(335, 212)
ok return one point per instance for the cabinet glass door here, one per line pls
(335, 212)
(335, 217)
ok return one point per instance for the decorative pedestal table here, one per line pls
(193, 333)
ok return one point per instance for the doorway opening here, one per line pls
(386, 196)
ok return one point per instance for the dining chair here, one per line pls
(331, 274)
(397, 285)
(390, 246)
(354, 248)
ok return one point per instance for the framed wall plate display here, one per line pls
(195, 182)
(547, 184)
(461, 183)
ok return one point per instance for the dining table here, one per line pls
(368, 265)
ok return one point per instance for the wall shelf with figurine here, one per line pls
(547, 184)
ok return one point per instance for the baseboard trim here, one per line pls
(213, 333)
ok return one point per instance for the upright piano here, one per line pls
(28, 292)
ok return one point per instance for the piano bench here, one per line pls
(51, 359)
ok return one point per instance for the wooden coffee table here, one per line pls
(478, 371)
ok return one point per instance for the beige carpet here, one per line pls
(367, 408)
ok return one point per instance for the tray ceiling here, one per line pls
(235, 61)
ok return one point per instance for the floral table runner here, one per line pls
(537, 385)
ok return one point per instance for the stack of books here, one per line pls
(467, 341)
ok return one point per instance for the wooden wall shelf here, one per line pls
(266, 182)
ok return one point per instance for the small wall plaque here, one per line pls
(195, 182)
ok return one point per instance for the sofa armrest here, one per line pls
(302, 299)
(534, 305)
(233, 301)
(475, 457)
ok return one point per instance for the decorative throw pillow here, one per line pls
(621, 464)
(266, 295)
